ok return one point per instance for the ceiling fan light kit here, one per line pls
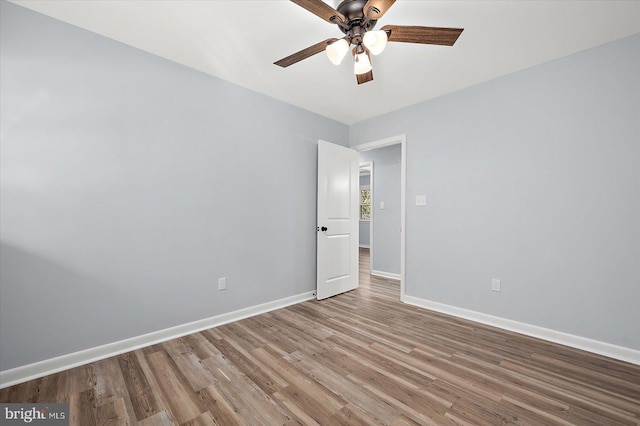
(375, 41)
(361, 63)
(356, 19)
(337, 50)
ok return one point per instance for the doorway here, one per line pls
(383, 164)
(366, 198)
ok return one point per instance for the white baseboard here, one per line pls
(602, 348)
(383, 274)
(50, 366)
(364, 246)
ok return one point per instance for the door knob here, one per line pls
(324, 228)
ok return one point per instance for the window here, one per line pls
(365, 203)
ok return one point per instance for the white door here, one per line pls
(338, 218)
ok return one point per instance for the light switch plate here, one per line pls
(421, 200)
(495, 284)
(381, 205)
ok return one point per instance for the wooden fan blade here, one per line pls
(363, 78)
(321, 9)
(374, 9)
(304, 53)
(424, 35)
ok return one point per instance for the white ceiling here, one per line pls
(239, 40)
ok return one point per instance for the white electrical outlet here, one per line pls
(381, 205)
(421, 200)
(222, 283)
(495, 284)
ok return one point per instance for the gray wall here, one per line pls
(386, 223)
(365, 231)
(129, 184)
(534, 179)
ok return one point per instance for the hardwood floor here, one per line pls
(360, 358)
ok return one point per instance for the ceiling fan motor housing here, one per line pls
(356, 24)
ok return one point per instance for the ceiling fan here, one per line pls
(356, 19)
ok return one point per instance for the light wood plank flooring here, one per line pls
(360, 358)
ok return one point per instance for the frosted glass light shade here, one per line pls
(337, 50)
(375, 41)
(361, 63)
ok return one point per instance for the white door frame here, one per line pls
(394, 140)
